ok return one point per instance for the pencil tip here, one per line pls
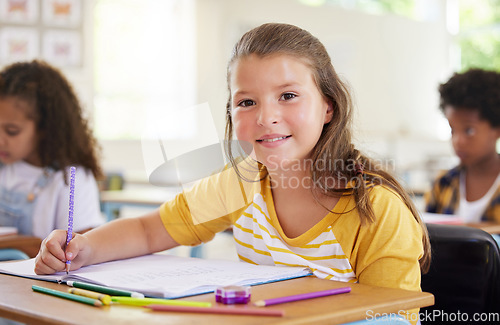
(260, 303)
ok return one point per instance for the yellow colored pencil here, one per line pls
(69, 296)
(149, 301)
(106, 299)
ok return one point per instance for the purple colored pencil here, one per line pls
(303, 296)
(69, 235)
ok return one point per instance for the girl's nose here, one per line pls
(268, 115)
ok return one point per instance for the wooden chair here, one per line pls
(15, 247)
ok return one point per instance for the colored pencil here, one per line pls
(105, 299)
(303, 296)
(106, 290)
(69, 234)
(218, 310)
(158, 301)
(69, 296)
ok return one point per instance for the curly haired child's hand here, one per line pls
(52, 255)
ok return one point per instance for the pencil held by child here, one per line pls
(69, 235)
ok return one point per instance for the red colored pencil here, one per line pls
(218, 310)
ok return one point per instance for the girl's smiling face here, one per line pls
(18, 136)
(278, 108)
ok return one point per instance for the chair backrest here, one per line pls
(464, 272)
(9, 254)
(113, 181)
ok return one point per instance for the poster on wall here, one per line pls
(62, 48)
(19, 11)
(62, 13)
(18, 44)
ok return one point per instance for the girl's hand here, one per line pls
(52, 258)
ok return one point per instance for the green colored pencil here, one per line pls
(69, 296)
(106, 290)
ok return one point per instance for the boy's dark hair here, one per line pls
(475, 89)
(65, 137)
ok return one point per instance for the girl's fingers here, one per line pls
(51, 258)
(48, 264)
(53, 253)
(54, 246)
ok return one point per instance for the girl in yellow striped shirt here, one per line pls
(303, 196)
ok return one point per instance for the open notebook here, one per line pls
(166, 276)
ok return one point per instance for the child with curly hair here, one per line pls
(43, 133)
(471, 103)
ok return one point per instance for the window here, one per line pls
(478, 37)
(405, 8)
(144, 63)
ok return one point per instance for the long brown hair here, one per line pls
(335, 143)
(65, 137)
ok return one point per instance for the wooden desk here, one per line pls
(489, 227)
(27, 244)
(20, 303)
(153, 198)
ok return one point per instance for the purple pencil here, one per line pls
(303, 296)
(71, 210)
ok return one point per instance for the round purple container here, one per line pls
(233, 295)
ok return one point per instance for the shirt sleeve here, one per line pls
(210, 206)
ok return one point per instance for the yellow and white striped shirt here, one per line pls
(384, 253)
(258, 241)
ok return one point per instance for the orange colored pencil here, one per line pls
(218, 310)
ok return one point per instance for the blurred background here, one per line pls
(136, 63)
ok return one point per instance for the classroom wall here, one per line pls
(393, 65)
(79, 74)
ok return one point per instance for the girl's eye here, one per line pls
(470, 131)
(288, 96)
(12, 131)
(246, 103)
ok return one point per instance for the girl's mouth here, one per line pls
(274, 139)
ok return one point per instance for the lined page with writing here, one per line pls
(167, 276)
